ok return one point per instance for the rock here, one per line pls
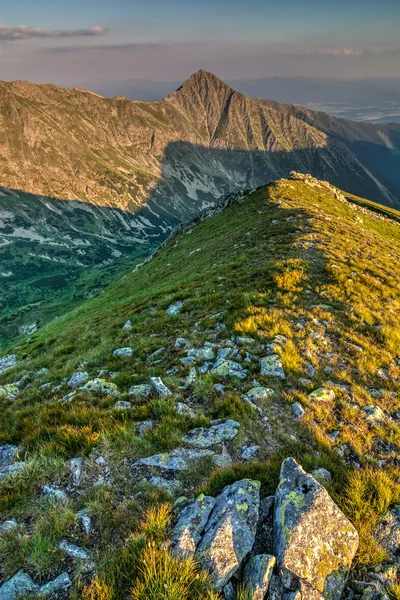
(184, 410)
(375, 415)
(144, 426)
(174, 309)
(85, 520)
(54, 493)
(188, 361)
(298, 410)
(257, 394)
(374, 593)
(19, 586)
(181, 342)
(68, 397)
(226, 353)
(230, 531)
(313, 540)
(201, 354)
(127, 326)
(123, 405)
(257, 575)
(59, 585)
(272, 366)
(310, 370)
(10, 469)
(9, 391)
(74, 551)
(75, 465)
(387, 533)
(228, 368)
(8, 455)
(229, 592)
(172, 487)
(170, 463)
(7, 362)
(322, 395)
(219, 388)
(127, 352)
(101, 386)
(77, 379)
(160, 388)
(244, 341)
(322, 476)
(249, 452)
(155, 355)
(8, 526)
(190, 525)
(217, 434)
(141, 391)
(191, 378)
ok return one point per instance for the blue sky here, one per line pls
(76, 41)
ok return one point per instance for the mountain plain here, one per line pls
(223, 422)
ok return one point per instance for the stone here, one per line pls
(123, 405)
(257, 575)
(155, 355)
(217, 434)
(101, 386)
(250, 452)
(230, 531)
(257, 394)
(59, 585)
(85, 520)
(228, 368)
(272, 366)
(74, 551)
(190, 525)
(229, 592)
(8, 455)
(7, 362)
(68, 397)
(244, 341)
(191, 378)
(75, 465)
(322, 395)
(374, 592)
(184, 410)
(19, 586)
(322, 476)
(170, 463)
(219, 388)
(8, 526)
(54, 493)
(172, 487)
(141, 391)
(77, 379)
(127, 352)
(144, 426)
(182, 342)
(9, 391)
(298, 410)
(160, 388)
(11, 469)
(174, 309)
(387, 532)
(201, 354)
(314, 542)
(188, 361)
(227, 353)
(127, 326)
(374, 415)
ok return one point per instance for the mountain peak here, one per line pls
(203, 80)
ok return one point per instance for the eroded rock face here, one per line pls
(314, 542)
(192, 520)
(230, 531)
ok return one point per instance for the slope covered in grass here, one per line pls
(294, 266)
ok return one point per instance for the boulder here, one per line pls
(75, 466)
(127, 326)
(387, 533)
(127, 352)
(7, 362)
(59, 585)
(257, 575)
(19, 586)
(322, 476)
(191, 378)
(8, 526)
(141, 391)
(192, 520)
(203, 437)
(230, 531)
(250, 452)
(184, 410)
(160, 388)
(77, 379)
(228, 368)
(173, 487)
(201, 354)
(101, 386)
(174, 309)
(374, 415)
(123, 405)
(74, 551)
(314, 542)
(8, 455)
(170, 463)
(272, 366)
(259, 393)
(9, 391)
(322, 395)
(298, 410)
(54, 493)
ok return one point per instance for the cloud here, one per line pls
(108, 47)
(23, 32)
(334, 52)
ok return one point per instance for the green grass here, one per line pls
(289, 260)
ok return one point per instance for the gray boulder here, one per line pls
(127, 326)
(18, 586)
(75, 466)
(101, 386)
(126, 352)
(322, 395)
(8, 526)
(9, 391)
(272, 366)
(59, 585)
(174, 309)
(257, 575)
(170, 463)
(77, 379)
(7, 362)
(8, 455)
(191, 378)
(141, 391)
(388, 533)
(190, 525)
(259, 393)
(217, 434)
(298, 410)
(230, 531)
(228, 368)
(314, 542)
(74, 551)
(160, 388)
(123, 405)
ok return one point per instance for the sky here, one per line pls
(86, 42)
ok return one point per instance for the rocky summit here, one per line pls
(222, 422)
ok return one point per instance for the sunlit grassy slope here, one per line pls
(290, 259)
